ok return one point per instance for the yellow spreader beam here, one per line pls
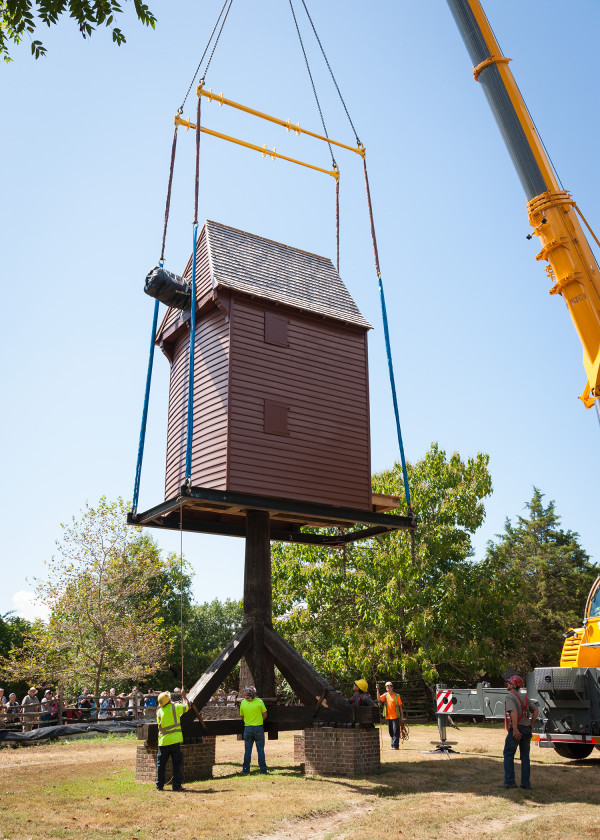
(287, 124)
(272, 153)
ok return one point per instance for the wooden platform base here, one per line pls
(279, 719)
(257, 645)
(208, 511)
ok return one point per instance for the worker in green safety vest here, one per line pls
(170, 738)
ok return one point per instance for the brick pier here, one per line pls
(328, 751)
(198, 761)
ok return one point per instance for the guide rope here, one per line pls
(181, 588)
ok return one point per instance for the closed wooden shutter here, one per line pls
(276, 418)
(276, 329)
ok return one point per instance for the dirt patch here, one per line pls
(319, 825)
(473, 826)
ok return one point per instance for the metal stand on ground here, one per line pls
(443, 704)
(442, 747)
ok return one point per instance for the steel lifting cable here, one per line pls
(380, 281)
(325, 132)
(190, 411)
(168, 201)
(216, 41)
(358, 143)
(197, 70)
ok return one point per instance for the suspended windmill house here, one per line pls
(280, 394)
(268, 430)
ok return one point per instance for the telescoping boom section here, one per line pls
(553, 214)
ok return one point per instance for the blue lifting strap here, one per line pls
(386, 332)
(388, 350)
(190, 411)
(140, 457)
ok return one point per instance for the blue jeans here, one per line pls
(254, 735)
(510, 748)
(162, 756)
(394, 730)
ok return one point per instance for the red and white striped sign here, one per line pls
(443, 700)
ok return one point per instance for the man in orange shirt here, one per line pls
(392, 712)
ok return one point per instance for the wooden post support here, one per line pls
(258, 667)
(220, 668)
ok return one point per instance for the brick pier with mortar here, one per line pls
(198, 761)
(338, 751)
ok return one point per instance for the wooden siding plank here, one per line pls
(209, 443)
(322, 377)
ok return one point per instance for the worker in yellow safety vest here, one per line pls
(170, 738)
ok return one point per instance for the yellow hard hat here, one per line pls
(362, 684)
(164, 697)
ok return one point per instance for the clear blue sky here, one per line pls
(485, 359)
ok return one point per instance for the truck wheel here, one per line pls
(574, 750)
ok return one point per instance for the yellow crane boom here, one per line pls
(553, 214)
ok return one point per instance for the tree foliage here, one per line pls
(105, 590)
(549, 575)
(170, 588)
(19, 18)
(397, 606)
(210, 628)
(13, 629)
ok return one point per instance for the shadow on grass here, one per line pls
(292, 770)
(202, 791)
(568, 782)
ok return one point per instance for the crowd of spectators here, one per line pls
(46, 708)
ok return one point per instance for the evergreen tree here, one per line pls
(551, 574)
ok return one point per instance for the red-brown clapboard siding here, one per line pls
(209, 442)
(329, 458)
(321, 375)
(346, 348)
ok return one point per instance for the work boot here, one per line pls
(505, 785)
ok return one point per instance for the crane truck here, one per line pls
(553, 214)
(568, 695)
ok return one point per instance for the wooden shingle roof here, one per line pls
(271, 270)
(233, 259)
